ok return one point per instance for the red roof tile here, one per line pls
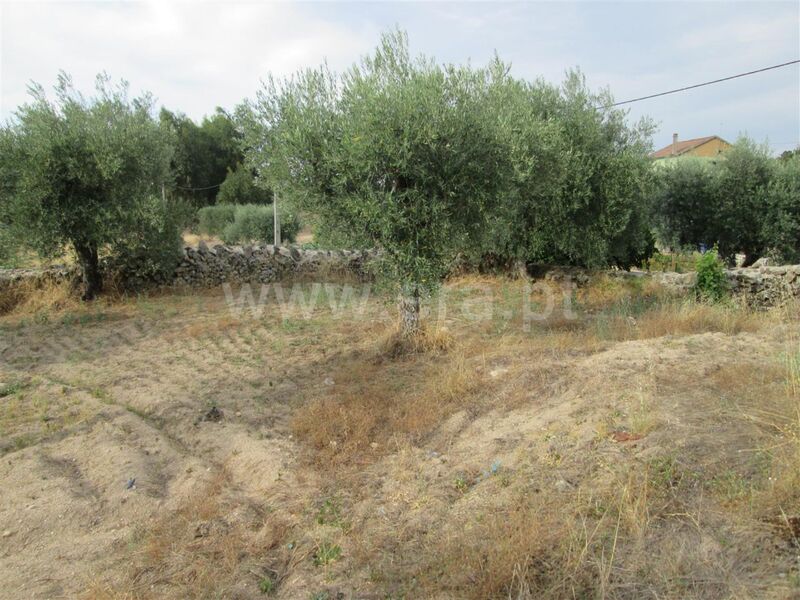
(682, 147)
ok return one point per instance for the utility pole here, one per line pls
(276, 221)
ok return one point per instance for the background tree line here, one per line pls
(745, 202)
(206, 165)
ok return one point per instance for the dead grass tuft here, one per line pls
(30, 298)
(375, 407)
(604, 292)
(686, 318)
(428, 339)
(521, 551)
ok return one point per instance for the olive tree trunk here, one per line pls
(409, 312)
(90, 270)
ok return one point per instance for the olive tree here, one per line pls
(397, 152)
(78, 170)
(578, 192)
(685, 201)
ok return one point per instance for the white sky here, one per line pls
(197, 55)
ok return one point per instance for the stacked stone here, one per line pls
(762, 286)
(12, 277)
(765, 285)
(759, 286)
(205, 266)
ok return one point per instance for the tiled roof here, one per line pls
(681, 147)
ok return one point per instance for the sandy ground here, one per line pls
(149, 449)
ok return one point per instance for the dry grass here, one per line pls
(211, 546)
(653, 528)
(778, 413)
(687, 318)
(480, 462)
(395, 343)
(193, 239)
(519, 550)
(33, 411)
(374, 407)
(30, 298)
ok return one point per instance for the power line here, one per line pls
(193, 189)
(697, 85)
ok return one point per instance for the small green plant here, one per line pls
(731, 486)
(323, 595)
(711, 285)
(10, 389)
(327, 553)
(460, 482)
(665, 472)
(330, 513)
(266, 585)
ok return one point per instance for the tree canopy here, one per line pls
(397, 152)
(579, 187)
(240, 187)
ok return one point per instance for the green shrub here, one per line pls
(148, 252)
(711, 285)
(240, 187)
(212, 220)
(254, 223)
(184, 213)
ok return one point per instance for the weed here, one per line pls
(731, 486)
(461, 483)
(330, 513)
(266, 585)
(12, 388)
(792, 361)
(326, 553)
(665, 472)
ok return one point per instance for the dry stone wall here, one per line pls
(205, 266)
(209, 266)
(763, 286)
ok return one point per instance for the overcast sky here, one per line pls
(197, 55)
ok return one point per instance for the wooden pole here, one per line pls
(276, 221)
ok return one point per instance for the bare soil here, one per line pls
(169, 447)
